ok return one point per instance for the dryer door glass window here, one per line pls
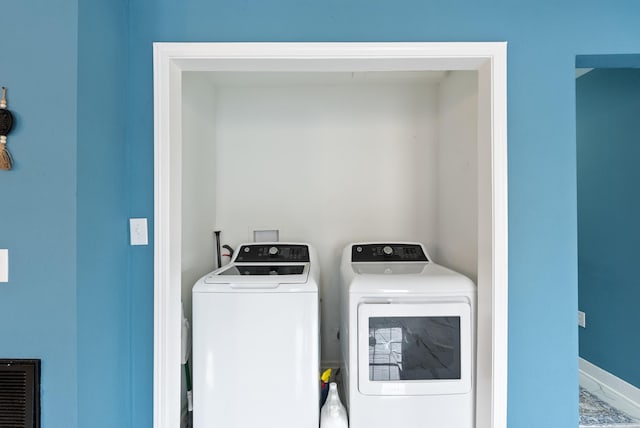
(414, 348)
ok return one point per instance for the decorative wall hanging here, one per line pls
(6, 122)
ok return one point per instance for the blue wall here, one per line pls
(608, 148)
(63, 208)
(99, 329)
(544, 38)
(38, 65)
(104, 354)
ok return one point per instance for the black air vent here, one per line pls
(19, 393)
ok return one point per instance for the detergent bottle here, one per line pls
(333, 413)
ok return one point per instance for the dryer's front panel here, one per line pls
(414, 348)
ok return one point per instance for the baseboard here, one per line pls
(611, 382)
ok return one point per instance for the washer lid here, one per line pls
(270, 275)
(273, 269)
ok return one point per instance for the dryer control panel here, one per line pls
(270, 253)
(387, 252)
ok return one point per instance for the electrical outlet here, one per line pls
(582, 319)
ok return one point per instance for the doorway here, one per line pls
(608, 153)
(487, 60)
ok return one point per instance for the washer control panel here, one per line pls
(270, 253)
(388, 253)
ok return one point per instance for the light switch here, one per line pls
(138, 231)
(4, 265)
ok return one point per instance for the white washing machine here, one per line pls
(407, 339)
(256, 344)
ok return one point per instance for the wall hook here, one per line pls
(6, 122)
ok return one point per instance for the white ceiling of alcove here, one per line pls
(248, 79)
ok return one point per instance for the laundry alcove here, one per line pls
(331, 144)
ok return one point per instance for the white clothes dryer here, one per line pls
(256, 344)
(407, 339)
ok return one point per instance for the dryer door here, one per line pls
(414, 349)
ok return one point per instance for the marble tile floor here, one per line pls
(600, 408)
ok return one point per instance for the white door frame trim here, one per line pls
(489, 59)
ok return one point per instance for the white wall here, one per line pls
(331, 164)
(457, 231)
(198, 181)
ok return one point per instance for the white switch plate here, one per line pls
(582, 319)
(4, 265)
(138, 231)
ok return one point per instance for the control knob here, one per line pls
(387, 250)
(273, 251)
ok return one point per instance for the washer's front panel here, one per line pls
(255, 360)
